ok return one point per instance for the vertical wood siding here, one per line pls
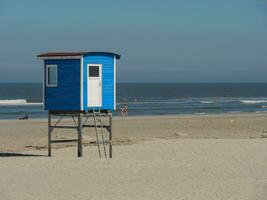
(66, 96)
(107, 62)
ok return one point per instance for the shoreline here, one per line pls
(117, 114)
(228, 114)
(21, 135)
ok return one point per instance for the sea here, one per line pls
(19, 99)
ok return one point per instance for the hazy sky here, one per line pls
(160, 41)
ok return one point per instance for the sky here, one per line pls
(160, 41)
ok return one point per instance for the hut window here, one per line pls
(93, 71)
(51, 75)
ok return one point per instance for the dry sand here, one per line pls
(198, 169)
(171, 157)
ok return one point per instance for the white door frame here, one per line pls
(94, 78)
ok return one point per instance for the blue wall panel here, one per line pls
(107, 62)
(66, 96)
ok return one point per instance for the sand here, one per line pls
(17, 136)
(162, 157)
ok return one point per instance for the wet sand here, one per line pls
(19, 136)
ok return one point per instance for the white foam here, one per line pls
(233, 112)
(151, 102)
(253, 101)
(17, 102)
(261, 111)
(207, 102)
(200, 113)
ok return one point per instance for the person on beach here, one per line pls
(124, 109)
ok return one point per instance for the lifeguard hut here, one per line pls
(82, 85)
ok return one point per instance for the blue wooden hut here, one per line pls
(79, 81)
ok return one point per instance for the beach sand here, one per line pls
(155, 157)
(17, 136)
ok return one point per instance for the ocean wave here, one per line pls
(196, 101)
(234, 112)
(152, 102)
(169, 101)
(18, 102)
(207, 102)
(264, 111)
(200, 113)
(219, 101)
(253, 101)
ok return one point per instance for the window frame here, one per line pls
(94, 77)
(47, 75)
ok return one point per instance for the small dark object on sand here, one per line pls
(25, 117)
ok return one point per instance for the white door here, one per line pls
(94, 87)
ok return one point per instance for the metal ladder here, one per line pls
(97, 118)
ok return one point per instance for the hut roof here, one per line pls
(73, 54)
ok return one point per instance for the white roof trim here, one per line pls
(44, 83)
(81, 83)
(114, 71)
